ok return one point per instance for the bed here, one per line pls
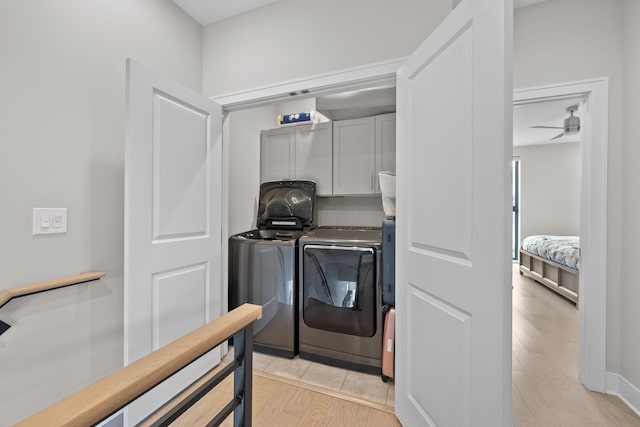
(553, 261)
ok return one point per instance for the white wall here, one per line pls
(549, 189)
(299, 38)
(357, 210)
(62, 81)
(630, 344)
(244, 164)
(567, 40)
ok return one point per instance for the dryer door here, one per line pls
(339, 289)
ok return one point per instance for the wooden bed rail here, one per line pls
(112, 393)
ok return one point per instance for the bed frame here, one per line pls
(560, 278)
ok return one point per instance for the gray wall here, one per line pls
(630, 298)
(567, 40)
(356, 210)
(244, 164)
(300, 38)
(62, 80)
(550, 189)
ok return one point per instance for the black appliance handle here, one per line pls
(341, 248)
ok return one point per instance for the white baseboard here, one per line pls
(618, 385)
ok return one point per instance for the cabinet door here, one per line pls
(313, 156)
(353, 156)
(276, 154)
(385, 145)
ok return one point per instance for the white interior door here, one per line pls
(453, 355)
(173, 190)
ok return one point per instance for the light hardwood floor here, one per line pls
(359, 385)
(546, 390)
(278, 401)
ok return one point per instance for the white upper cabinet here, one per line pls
(298, 152)
(343, 157)
(354, 166)
(276, 154)
(385, 145)
(313, 156)
(361, 148)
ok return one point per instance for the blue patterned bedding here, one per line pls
(564, 250)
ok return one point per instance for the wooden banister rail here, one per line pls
(7, 295)
(108, 395)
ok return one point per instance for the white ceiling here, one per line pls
(209, 11)
(522, 3)
(547, 113)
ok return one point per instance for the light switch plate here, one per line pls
(49, 221)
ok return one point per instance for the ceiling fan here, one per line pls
(571, 124)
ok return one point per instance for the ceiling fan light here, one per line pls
(572, 124)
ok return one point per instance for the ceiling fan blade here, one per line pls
(557, 136)
(546, 127)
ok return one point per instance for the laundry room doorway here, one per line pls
(260, 150)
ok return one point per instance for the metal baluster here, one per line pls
(242, 381)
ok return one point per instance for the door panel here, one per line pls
(453, 302)
(173, 242)
(443, 219)
(179, 303)
(450, 328)
(174, 178)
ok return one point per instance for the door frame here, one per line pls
(378, 73)
(516, 208)
(592, 301)
(593, 220)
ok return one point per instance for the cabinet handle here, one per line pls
(372, 184)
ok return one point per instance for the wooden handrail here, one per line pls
(7, 295)
(106, 396)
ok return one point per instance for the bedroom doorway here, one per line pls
(593, 98)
